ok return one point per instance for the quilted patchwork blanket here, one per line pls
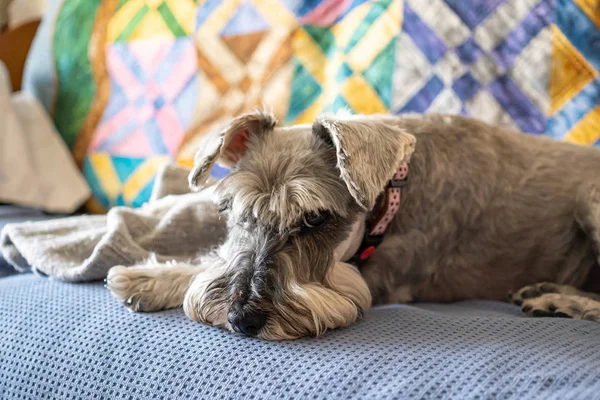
(133, 84)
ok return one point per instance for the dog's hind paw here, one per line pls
(562, 306)
(540, 289)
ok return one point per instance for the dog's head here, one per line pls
(295, 204)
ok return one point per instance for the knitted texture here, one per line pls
(85, 247)
(12, 215)
(66, 341)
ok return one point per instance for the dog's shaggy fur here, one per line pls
(487, 211)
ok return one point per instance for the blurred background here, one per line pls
(129, 85)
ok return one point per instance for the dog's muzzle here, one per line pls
(249, 322)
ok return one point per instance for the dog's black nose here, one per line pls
(249, 322)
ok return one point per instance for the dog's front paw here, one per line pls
(151, 287)
(130, 288)
(562, 306)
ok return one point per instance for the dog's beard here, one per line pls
(296, 310)
(205, 299)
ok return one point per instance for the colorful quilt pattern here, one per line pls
(154, 75)
(575, 82)
(348, 64)
(488, 59)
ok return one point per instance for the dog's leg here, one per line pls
(562, 306)
(587, 215)
(540, 289)
(553, 300)
(151, 287)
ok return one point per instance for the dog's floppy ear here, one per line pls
(227, 145)
(369, 150)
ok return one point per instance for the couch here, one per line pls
(60, 340)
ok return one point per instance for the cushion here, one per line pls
(60, 340)
(36, 168)
(160, 73)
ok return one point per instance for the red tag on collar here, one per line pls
(367, 253)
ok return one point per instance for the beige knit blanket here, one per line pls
(171, 226)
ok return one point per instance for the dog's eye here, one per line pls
(224, 206)
(312, 220)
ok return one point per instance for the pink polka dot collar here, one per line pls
(389, 204)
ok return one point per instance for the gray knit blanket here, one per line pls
(171, 226)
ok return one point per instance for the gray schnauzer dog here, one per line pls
(323, 222)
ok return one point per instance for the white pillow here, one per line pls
(36, 168)
(22, 11)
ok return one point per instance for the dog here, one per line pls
(326, 220)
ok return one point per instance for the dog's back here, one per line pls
(486, 210)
